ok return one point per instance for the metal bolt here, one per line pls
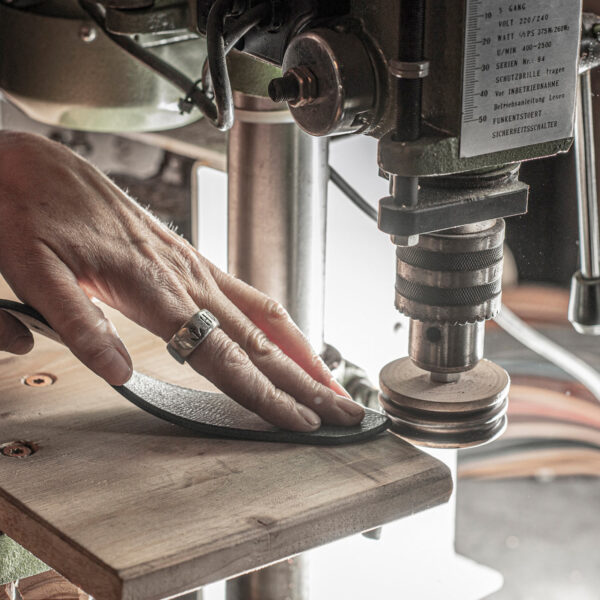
(18, 449)
(298, 87)
(39, 380)
(284, 89)
(87, 33)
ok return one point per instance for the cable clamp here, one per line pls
(186, 104)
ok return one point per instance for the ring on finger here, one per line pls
(192, 334)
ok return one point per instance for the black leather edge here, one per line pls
(209, 413)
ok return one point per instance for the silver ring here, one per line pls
(192, 334)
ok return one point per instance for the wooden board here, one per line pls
(129, 507)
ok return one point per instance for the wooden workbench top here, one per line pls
(130, 507)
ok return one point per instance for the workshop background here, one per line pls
(527, 504)
(527, 509)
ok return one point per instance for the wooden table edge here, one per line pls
(147, 583)
(141, 582)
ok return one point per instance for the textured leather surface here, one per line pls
(209, 413)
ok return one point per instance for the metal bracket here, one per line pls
(445, 208)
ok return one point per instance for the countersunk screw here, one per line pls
(39, 380)
(18, 449)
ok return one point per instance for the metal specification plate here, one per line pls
(519, 74)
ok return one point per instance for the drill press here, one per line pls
(457, 94)
(466, 91)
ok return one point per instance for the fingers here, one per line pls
(218, 358)
(271, 318)
(14, 336)
(81, 324)
(229, 367)
(281, 370)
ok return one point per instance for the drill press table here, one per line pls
(130, 507)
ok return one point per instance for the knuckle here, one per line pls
(306, 382)
(195, 274)
(162, 278)
(317, 365)
(230, 354)
(184, 260)
(259, 346)
(282, 400)
(274, 311)
(270, 402)
(76, 330)
(83, 333)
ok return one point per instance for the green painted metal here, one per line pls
(16, 562)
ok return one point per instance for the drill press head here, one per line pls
(443, 394)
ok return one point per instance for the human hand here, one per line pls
(68, 234)
(14, 336)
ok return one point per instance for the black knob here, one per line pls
(584, 305)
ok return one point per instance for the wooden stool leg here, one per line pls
(49, 586)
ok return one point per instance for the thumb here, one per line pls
(81, 324)
(14, 336)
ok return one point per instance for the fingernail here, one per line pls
(114, 367)
(20, 345)
(350, 407)
(309, 416)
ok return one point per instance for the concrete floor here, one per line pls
(544, 537)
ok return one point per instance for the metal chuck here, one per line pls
(444, 395)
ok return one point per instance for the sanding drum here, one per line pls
(444, 395)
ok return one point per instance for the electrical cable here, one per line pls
(217, 62)
(507, 320)
(247, 21)
(352, 194)
(551, 351)
(219, 43)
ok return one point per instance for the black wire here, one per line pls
(245, 22)
(250, 19)
(220, 112)
(219, 43)
(217, 62)
(352, 194)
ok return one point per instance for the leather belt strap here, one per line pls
(209, 413)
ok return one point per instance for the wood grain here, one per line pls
(129, 507)
(49, 586)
